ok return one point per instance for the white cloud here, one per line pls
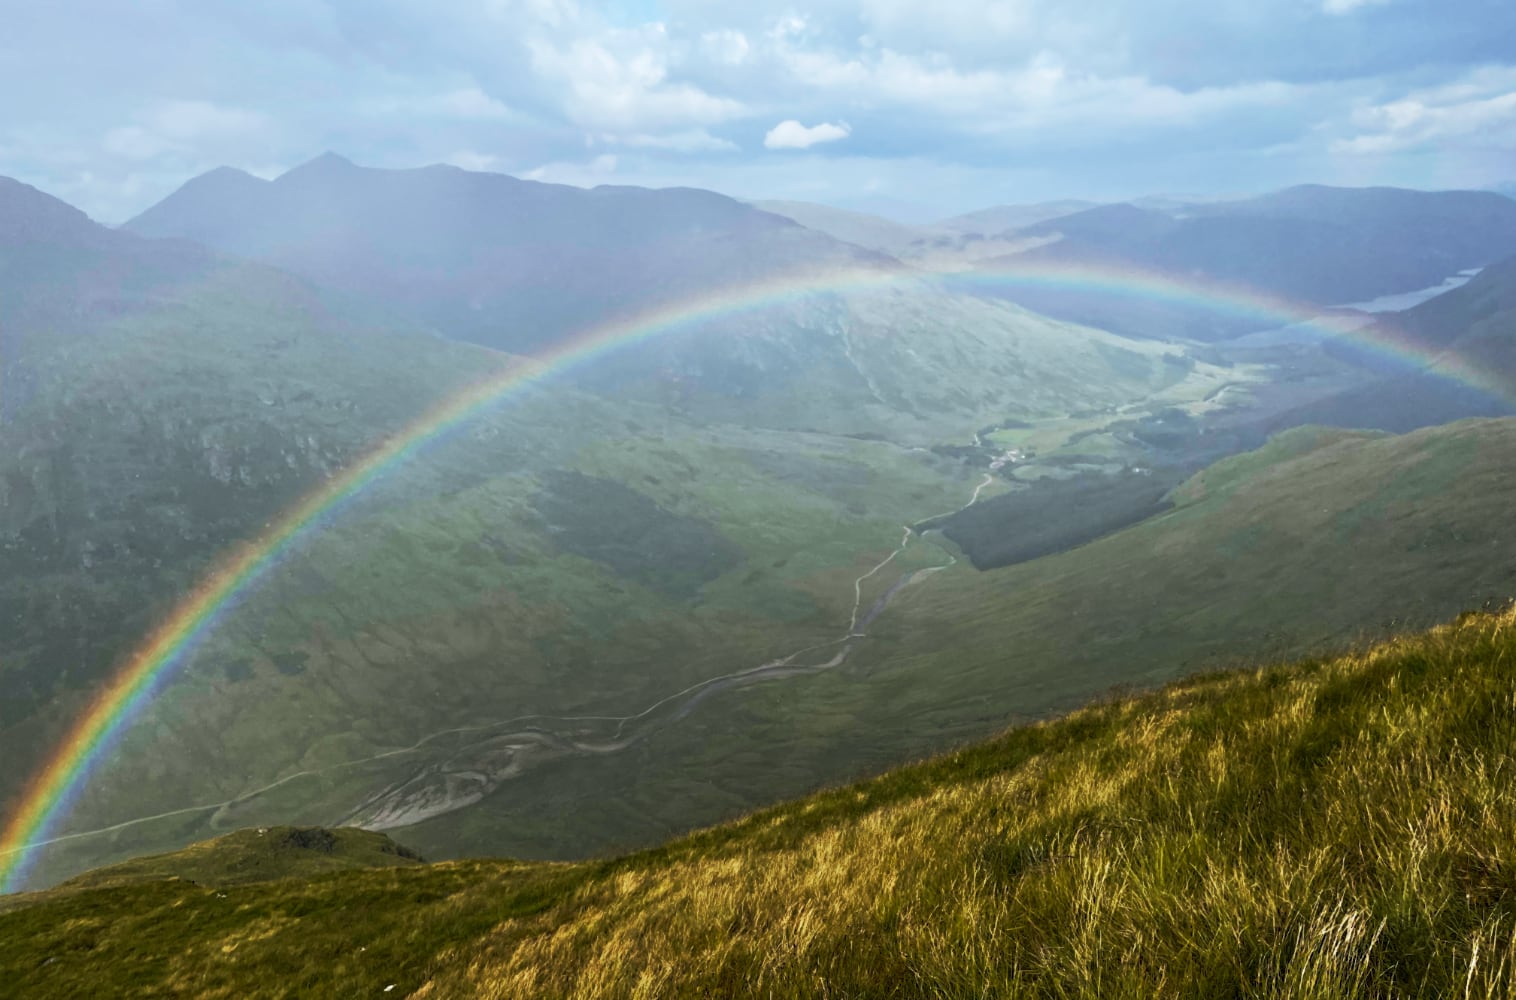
(132, 142)
(726, 46)
(788, 26)
(791, 134)
(184, 127)
(463, 104)
(618, 81)
(1040, 96)
(191, 120)
(469, 102)
(1477, 110)
(467, 159)
(688, 141)
(955, 23)
(1348, 6)
(579, 174)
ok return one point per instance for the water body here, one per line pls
(1401, 301)
(1308, 333)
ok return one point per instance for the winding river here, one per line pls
(492, 754)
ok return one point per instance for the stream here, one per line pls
(495, 753)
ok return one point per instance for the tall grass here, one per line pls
(1331, 829)
(1341, 829)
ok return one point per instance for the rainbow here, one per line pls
(51, 793)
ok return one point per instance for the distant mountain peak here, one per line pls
(226, 173)
(225, 180)
(30, 214)
(327, 164)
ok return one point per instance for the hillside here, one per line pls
(1312, 244)
(520, 265)
(859, 228)
(1331, 828)
(1471, 329)
(257, 855)
(582, 622)
(951, 245)
(507, 263)
(1476, 323)
(562, 554)
(1000, 219)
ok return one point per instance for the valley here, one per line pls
(636, 501)
(735, 552)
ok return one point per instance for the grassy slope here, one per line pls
(1310, 550)
(253, 855)
(181, 428)
(1328, 829)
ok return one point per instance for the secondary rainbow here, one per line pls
(51, 793)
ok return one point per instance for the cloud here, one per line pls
(463, 104)
(1067, 96)
(1478, 110)
(791, 134)
(467, 159)
(689, 141)
(726, 46)
(578, 173)
(619, 81)
(181, 126)
(1348, 6)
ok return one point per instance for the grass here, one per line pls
(1302, 555)
(1331, 828)
(254, 855)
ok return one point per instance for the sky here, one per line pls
(909, 108)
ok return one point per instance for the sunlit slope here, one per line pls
(1333, 828)
(1319, 539)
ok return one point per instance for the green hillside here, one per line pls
(1332, 828)
(1321, 539)
(564, 555)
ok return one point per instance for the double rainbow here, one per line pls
(49, 796)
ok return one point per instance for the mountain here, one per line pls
(1475, 322)
(563, 554)
(1331, 828)
(1000, 219)
(946, 247)
(507, 263)
(1310, 245)
(515, 264)
(584, 621)
(859, 228)
(1470, 329)
(60, 273)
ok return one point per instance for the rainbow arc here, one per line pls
(143, 675)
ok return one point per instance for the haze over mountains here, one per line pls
(508, 263)
(518, 265)
(676, 582)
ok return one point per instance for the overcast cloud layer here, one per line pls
(927, 108)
